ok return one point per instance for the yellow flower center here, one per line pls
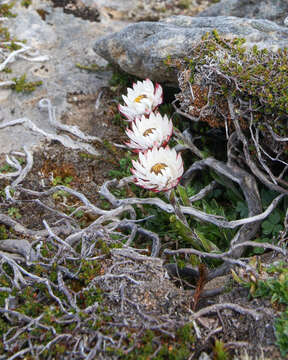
(139, 98)
(157, 168)
(148, 131)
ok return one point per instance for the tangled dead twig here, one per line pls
(89, 286)
(22, 48)
(234, 307)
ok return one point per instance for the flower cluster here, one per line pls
(158, 168)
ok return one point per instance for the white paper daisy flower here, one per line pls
(147, 132)
(158, 169)
(141, 100)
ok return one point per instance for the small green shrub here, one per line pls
(5, 10)
(26, 3)
(22, 85)
(276, 289)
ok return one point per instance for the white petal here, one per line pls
(158, 96)
(143, 104)
(165, 179)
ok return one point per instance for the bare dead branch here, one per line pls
(214, 308)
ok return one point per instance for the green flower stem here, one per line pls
(186, 233)
(179, 220)
(175, 203)
(181, 223)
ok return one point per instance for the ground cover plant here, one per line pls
(89, 280)
(11, 49)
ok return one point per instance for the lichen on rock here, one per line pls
(141, 49)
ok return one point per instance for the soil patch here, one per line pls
(78, 9)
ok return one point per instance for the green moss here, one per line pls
(281, 326)
(14, 212)
(103, 247)
(110, 147)
(90, 297)
(4, 326)
(8, 269)
(21, 84)
(3, 232)
(219, 351)
(276, 289)
(186, 333)
(3, 296)
(28, 303)
(5, 10)
(184, 4)
(89, 270)
(6, 168)
(26, 3)
(90, 68)
(7, 70)
(178, 349)
(87, 156)
(53, 276)
(12, 46)
(59, 180)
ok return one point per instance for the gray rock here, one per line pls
(274, 10)
(66, 40)
(60, 37)
(28, 25)
(141, 49)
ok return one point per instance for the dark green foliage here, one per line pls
(125, 165)
(272, 225)
(281, 326)
(178, 349)
(122, 79)
(242, 209)
(276, 288)
(89, 270)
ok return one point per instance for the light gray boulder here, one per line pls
(274, 10)
(141, 49)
